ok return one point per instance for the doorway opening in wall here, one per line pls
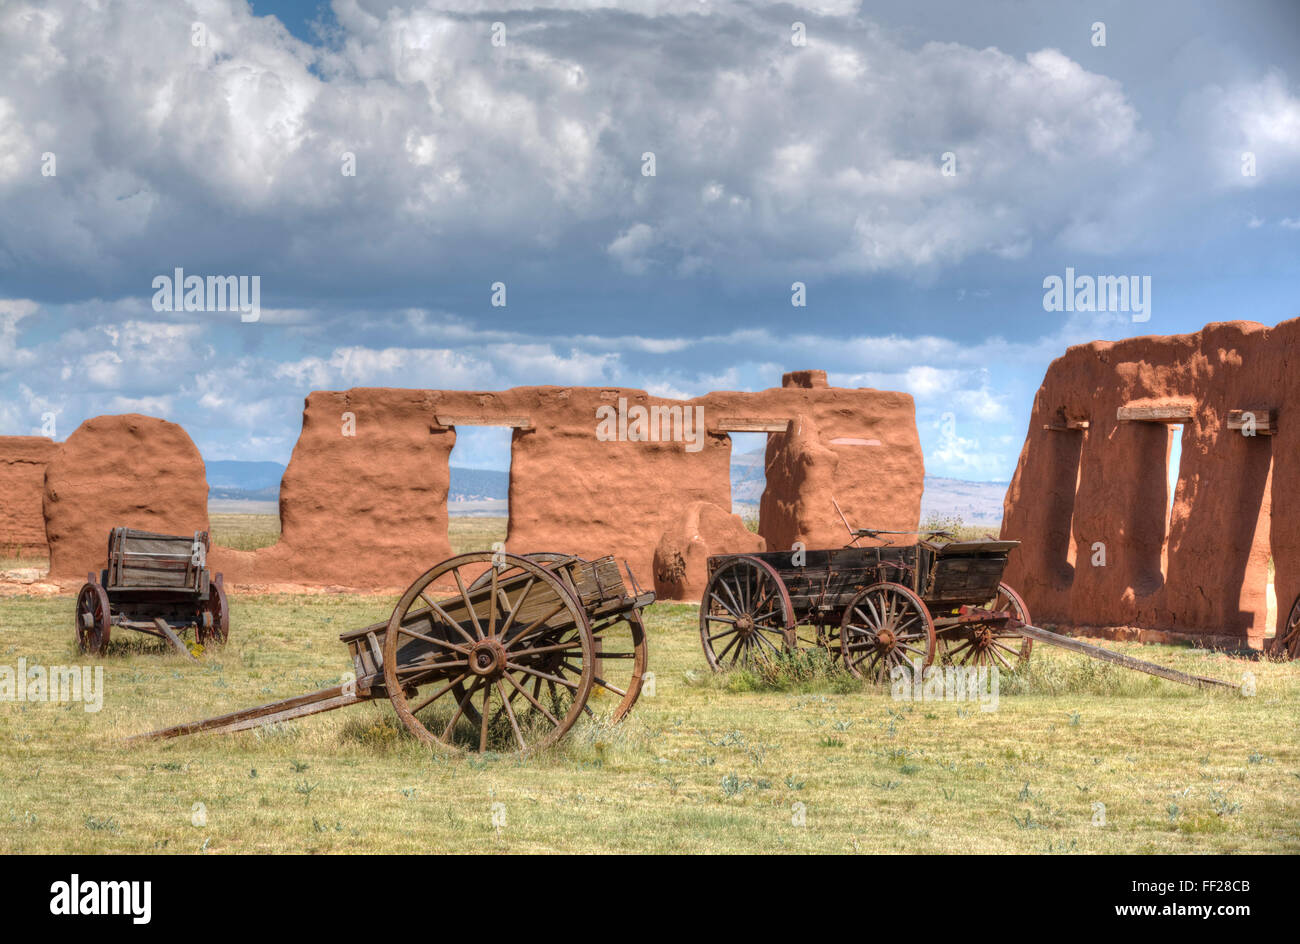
(1263, 544)
(1071, 544)
(1173, 472)
(478, 497)
(748, 475)
(243, 503)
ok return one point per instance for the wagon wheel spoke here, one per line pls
(510, 713)
(532, 699)
(518, 605)
(438, 694)
(723, 653)
(738, 608)
(553, 679)
(485, 716)
(460, 710)
(537, 624)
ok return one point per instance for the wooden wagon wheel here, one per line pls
(213, 624)
(94, 619)
(886, 625)
(620, 659)
(621, 655)
(1286, 644)
(991, 644)
(479, 646)
(745, 614)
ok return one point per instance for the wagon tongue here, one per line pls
(975, 614)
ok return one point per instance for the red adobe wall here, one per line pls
(1207, 577)
(22, 478)
(128, 471)
(370, 510)
(363, 501)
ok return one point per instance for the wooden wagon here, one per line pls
(876, 607)
(489, 651)
(158, 584)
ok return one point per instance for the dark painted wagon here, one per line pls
(158, 584)
(489, 650)
(876, 607)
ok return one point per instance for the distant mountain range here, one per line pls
(975, 503)
(256, 481)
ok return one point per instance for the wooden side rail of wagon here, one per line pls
(488, 650)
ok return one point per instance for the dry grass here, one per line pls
(708, 764)
(244, 532)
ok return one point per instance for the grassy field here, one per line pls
(706, 764)
(249, 532)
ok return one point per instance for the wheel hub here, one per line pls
(886, 639)
(745, 625)
(487, 658)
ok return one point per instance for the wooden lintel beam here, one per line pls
(1069, 426)
(514, 422)
(1180, 413)
(1264, 421)
(751, 425)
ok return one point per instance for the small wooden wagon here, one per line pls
(157, 584)
(877, 607)
(489, 650)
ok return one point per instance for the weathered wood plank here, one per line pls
(1115, 658)
(484, 419)
(1174, 413)
(745, 424)
(170, 635)
(326, 699)
(1265, 421)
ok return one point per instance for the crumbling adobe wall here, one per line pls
(1207, 576)
(699, 531)
(22, 480)
(128, 471)
(861, 452)
(363, 501)
(570, 491)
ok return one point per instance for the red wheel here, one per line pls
(886, 625)
(94, 621)
(745, 615)
(213, 625)
(991, 644)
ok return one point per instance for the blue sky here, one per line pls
(522, 163)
